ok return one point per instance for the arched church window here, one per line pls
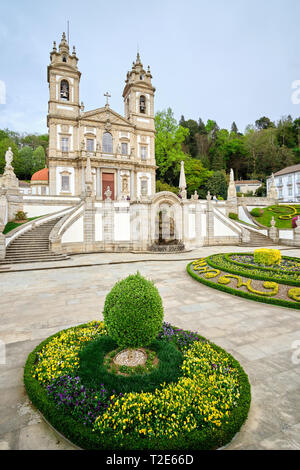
(64, 58)
(107, 142)
(64, 90)
(142, 104)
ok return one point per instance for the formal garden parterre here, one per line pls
(188, 394)
(264, 276)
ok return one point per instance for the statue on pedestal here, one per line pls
(108, 194)
(9, 179)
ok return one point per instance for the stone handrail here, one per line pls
(229, 222)
(59, 227)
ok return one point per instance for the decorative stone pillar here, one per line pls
(132, 190)
(89, 210)
(2, 241)
(119, 191)
(297, 233)
(273, 194)
(108, 223)
(198, 224)
(182, 182)
(231, 203)
(10, 186)
(98, 183)
(209, 220)
(273, 231)
(245, 236)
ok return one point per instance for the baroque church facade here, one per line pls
(99, 184)
(121, 148)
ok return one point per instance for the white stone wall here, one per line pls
(121, 226)
(74, 233)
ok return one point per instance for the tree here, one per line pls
(25, 163)
(38, 159)
(168, 146)
(234, 128)
(287, 132)
(264, 123)
(161, 186)
(196, 176)
(217, 184)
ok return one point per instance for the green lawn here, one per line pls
(11, 225)
(276, 211)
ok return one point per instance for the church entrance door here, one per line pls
(108, 179)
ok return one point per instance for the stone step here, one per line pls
(34, 260)
(33, 246)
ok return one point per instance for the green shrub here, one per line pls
(233, 216)
(133, 312)
(257, 212)
(20, 215)
(267, 256)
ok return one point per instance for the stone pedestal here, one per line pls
(108, 223)
(2, 241)
(15, 202)
(273, 231)
(209, 220)
(297, 233)
(89, 224)
(232, 206)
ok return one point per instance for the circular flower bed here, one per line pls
(200, 402)
(239, 274)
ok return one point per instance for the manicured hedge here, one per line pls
(247, 273)
(240, 293)
(84, 437)
(133, 312)
(92, 371)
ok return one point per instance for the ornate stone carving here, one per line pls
(108, 193)
(8, 157)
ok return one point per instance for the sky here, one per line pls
(226, 60)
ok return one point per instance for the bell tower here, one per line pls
(138, 96)
(63, 114)
(63, 79)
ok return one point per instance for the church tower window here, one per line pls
(124, 148)
(90, 145)
(143, 153)
(142, 104)
(107, 142)
(64, 144)
(64, 90)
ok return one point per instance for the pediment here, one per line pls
(102, 114)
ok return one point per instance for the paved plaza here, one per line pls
(39, 302)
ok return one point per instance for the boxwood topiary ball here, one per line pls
(133, 312)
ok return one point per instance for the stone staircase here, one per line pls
(259, 239)
(33, 246)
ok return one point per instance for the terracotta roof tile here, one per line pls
(41, 175)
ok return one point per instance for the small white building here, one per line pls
(245, 186)
(40, 182)
(287, 183)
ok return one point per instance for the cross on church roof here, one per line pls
(107, 96)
